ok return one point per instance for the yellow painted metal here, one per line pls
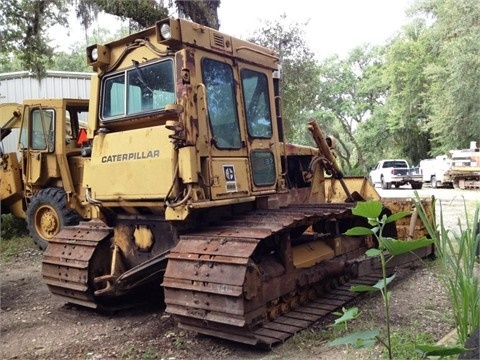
(359, 184)
(230, 178)
(147, 172)
(11, 188)
(10, 116)
(93, 109)
(187, 164)
(143, 237)
(309, 254)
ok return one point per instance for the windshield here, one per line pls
(141, 89)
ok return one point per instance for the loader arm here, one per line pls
(10, 118)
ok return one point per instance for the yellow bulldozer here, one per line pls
(41, 182)
(193, 188)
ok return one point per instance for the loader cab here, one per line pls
(47, 134)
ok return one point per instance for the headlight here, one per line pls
(94, 54)
(166, 31)
(98, 55)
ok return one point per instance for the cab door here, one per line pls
(228, 160)
(262, 134)
(37, 138)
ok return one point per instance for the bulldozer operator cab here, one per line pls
(186, 117)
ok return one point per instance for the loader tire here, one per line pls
(47, 213)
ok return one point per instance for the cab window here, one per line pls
(141, 89)
(257, 105)
(222, 109)
(42, 129)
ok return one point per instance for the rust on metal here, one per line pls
(67, 260)
(257, 277)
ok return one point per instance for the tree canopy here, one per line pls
(24, 23)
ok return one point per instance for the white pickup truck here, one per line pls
(436, 171)
(395, 172)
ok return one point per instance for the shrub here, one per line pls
(12, 227)
(458, 252)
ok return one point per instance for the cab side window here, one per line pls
(222, 108)
(43, 130)
(257, 105)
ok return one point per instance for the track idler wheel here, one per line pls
(274, 313)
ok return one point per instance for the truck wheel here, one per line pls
(371, 181)
(456, 184)
(385, 185)
(434, 182)
(416, 185)
(47, 213)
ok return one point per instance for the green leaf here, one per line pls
(368, 209)
(348, 314)
(398, 247)
(363, 288)
(397, 216)
(352, 339)
(363, 343)
(359, 231)
(439, 350)
(372, 252)
(380, 285)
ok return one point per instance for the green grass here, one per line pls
(456, 249)
(404, 342)
(133, 353)
(14, 237)
(309, 338)
(10, 248)
(12, 227)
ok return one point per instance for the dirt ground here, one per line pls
(36, 325)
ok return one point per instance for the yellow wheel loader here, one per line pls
(41, 181)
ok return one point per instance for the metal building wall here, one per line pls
(18, 86)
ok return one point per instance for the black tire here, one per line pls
(433, 182)
(417, 185)
(456, 184)
(47, 214)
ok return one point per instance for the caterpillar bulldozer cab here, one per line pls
(41, 181)
(193, 186)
